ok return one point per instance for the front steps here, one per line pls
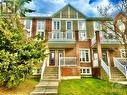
(117, 76)
(49, 84)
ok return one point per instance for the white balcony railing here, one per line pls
(68, 61)
(93, 41)
(108, 38)
(82, 35)
(120, 66)
(106, 68)
(61, 36)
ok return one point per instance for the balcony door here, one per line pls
(55, 56)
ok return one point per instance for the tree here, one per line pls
(21, 8)
(118, 24)
(15, 6)
(18, 54)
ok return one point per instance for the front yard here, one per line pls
(90, 86)
(23, 89)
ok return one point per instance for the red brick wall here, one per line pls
(48, 27)
(114, 53)
(34, 25)
(70, 71)
(70, 52)
(95, 72)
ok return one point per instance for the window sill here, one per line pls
(85, 62)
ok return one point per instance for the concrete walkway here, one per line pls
(49, 84)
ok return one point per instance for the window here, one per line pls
(56, 25)
(121, 25)
(85, 71)
(82, 36)
(123, 53)
(28, 26)
(40, 29)
(85, 55)
(97, 26)
(81, 25)
(69, 25)
(40, 26)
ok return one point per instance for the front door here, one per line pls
(52, 58)
(55, 56)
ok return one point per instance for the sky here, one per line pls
(48, 7)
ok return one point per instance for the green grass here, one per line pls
(23, 89)
(90, 86)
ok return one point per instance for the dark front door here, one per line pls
(52, 58)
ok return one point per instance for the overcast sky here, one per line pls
(48, 7)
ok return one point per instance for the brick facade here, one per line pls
(111, 51)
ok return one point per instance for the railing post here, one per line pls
(126, 71)
(109, 73)
(43, 68)
(59, 69)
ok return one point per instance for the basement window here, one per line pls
(85, 71)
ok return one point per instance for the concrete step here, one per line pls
(52, 80)
(50, 74)
(118, 79)
(41, 91)
(118, 76)
(48, 85)
(50, 77)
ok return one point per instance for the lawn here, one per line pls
(90, 86)
(23, 89)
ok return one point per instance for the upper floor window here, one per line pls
(97, 26)
(121, 25)
(123, 53)
(81, 25)
(28, 26)
(40, 25)
(69, 25)
(56, 25)
(85, 55)
(40, 29)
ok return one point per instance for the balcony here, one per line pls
(106, 40)
(61, 40)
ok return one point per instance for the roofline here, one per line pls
(38, 17)
(99, 19)
(72, 7)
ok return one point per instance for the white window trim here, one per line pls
(53, 25)
(122, 52)
(84, 24)
(41, 22)
(71, 25)
(85, 36)
(88, 55)
(90, 73)
(30, 30)
(39, 31)
(94, 26)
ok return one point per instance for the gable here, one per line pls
(68, 12)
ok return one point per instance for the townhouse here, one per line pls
(76, 43)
